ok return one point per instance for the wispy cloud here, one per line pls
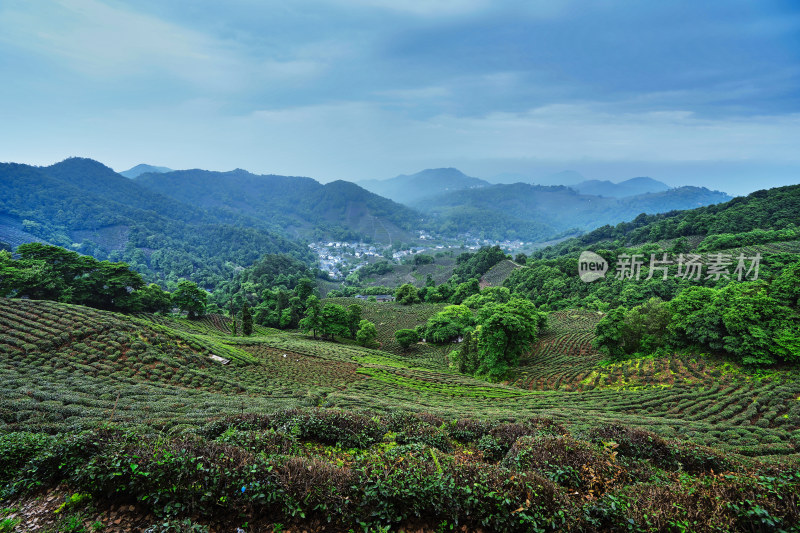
(370, 88)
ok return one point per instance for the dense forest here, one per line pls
(85, 206)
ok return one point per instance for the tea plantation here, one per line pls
(301, 434)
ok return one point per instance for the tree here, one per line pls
(477, 264)
(313, 318)
(407, 294)
(406, 337)
(786, 287)
(467, 359)
(153, 299)
(465, 290)
(487, 296)
(521, 258)
(448, 324)
(190, 298)
(697, 318)
(646, 326)
(506, 330)
(334, 321)
(751, 318)
(287, 318)
(609, 334)
(367, 333)
(247, 321)
(354, 316)
(423, 259)
(107, 285)
(305, 288)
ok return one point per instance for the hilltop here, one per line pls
(410, 189)
(630, 187)
(85, 206)
(142, 169)
(301, 206)
(760, 217)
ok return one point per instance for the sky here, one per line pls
(690, 93)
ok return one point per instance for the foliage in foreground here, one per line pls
(359, 470)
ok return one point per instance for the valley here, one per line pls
(382, 384)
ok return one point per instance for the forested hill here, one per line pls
(535, 212)
(301, 206)
(760, 217)
(85, 206)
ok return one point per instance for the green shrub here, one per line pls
(16, 449)
(565, 461)
(467, 430)
(425, 434)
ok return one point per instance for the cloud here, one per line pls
(370, 88)
(424, 8)
(587, 131)
(109, 41)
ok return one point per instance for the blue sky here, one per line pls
(687, 92)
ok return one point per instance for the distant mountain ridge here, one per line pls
(538, 212)
(408, 189)
(741, 221)
(631, 187)
(298, 206)
(158, 220)
(141, 169)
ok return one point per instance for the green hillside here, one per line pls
(496, 275)
(85, 206)
(752, 216)
(690, 399)
(301, 206)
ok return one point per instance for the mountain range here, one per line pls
(537, 212)
(297, 206)
(197, 224)
(205, 225)
(631, 187)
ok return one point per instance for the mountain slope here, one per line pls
(408, 189)
(756, 215)
(535, 212)
(102, 182)
(300, 206)
(83, 205)
(631, 187)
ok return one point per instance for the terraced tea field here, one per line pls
(498, 273)
(563, 356)
(388, 317)
(65, 367)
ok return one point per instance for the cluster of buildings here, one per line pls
(340, 258)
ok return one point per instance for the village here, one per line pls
(338, 259)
